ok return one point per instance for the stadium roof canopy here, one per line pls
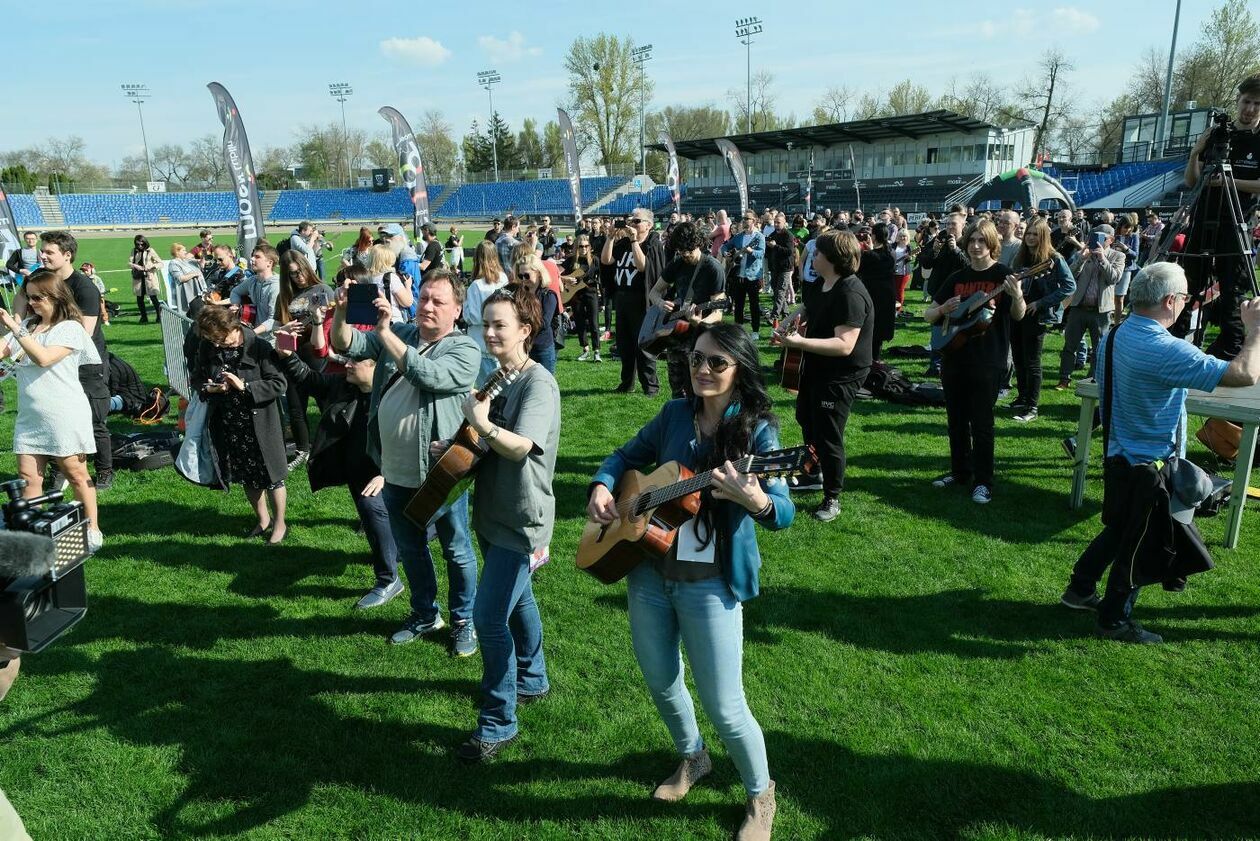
(907, 126)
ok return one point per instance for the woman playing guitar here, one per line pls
(972, 373)
(513, 513)
(1045, 296)
(839, 327)
(694, 594)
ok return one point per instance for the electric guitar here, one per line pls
(453, 473)
(652, 507)
(972, 317)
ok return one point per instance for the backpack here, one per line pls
(146, 405)
(146, 450)
(892, 385)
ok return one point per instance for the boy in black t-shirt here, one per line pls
(972, 374)
(839, 324)
(691, 279)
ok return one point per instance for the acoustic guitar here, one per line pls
(972, 317)
(453, 473)
(571, 285)
(792, 359)
(652, 507)
(660, 328)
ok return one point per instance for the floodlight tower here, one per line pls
(745, 29)
(341, 91)
(138, 94)
(488, 79)
(641, 55)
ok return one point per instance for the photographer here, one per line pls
(942, 257)
(1212, 231)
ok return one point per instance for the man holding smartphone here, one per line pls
(1097, 270)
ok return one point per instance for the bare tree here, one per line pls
(171, 164)
(906, 97)
(605, 89)
(764, 117)
(833, 105)
(867, 107)
(438, 148)
(981, 99)
(206, 164)
(1045, 93)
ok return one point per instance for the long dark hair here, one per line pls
(58, 294)
(750, 402)
(296, 275)
(140, 243)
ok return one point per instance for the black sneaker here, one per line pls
(805, 482)
(1069, 446)
(1026, 414)
(1077, 602)
(946, 481)
(415, 627)
(104, 480)
(300, 458)
(1130, 632)
(476, 750)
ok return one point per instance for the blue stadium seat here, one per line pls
(364, 203)
(550, 195)
(26, 212)
(1092, 185)
(147, 208)
(655, 200)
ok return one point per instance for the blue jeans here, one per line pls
(376, 528)
(413, 550)
(708, 620)
(509, 630)
(545, 356)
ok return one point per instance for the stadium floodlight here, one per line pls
(341, 91)
(488, 79)
(745, 29)
(138, 94)
(641, 55)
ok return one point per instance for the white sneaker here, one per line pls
(597, 359)
(585, 355)
(95, 540)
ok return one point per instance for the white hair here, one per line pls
(1155, 283)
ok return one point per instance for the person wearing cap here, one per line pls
(407, 262)
(1098, 269)
(1145, 426)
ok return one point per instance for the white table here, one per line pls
(1240, 405)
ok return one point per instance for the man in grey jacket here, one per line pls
(1097, 270)
(303, 240)
(423, 373)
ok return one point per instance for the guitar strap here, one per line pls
(691, 285)
(397, 375)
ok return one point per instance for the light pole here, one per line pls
(745, 29)
(640, 55)
(341, 91)
(138, 94)
(488, 79)
(1158, 146)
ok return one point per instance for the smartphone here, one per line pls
(1097, 241)
(360, 303)
(286, 341)
(319, 299)
(620, 223)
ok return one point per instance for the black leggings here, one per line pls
(295, 398)
(586, 314)
(144, 315)
(1028, 336)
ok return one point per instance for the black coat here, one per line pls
(876, 271)
(264, 383)
(345, 418)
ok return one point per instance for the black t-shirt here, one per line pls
(710, 280)
(1067, 250)
(988, 348)
(88, 299)
(433, 254)
(547, 239)
(845, 304)
(625, 275)
(780, 256)
(1244, 155)
(491, 235)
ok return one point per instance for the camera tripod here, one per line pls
(1204, 227)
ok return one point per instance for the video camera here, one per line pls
(1217, 147)
(42, 588)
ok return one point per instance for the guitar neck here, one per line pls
(659, 496)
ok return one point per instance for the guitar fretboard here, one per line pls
(660, 496)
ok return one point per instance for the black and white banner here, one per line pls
(736, 163)
(9, 241)
(571, 162)
(240, 167)
(410, 168)
(671, 176)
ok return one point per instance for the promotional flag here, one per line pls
(736, 163)
(571, 162)
(671, 177)
(240, 166)
(410, 169)
(809, 185)
(857, 188)
(9, 241)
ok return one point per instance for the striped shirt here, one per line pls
(1154, 370)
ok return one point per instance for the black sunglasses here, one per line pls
(717, 364)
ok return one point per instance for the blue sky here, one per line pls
(277, 61)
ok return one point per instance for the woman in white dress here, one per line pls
(188, 281)
(54, 421)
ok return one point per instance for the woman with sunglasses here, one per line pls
(693, 596)
(514, 510)
(54, 420)
(532, 277)
(584, 264)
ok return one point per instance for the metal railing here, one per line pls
(1154, 188)
(963, 192)
(175, 327)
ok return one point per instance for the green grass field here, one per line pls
(909, 663)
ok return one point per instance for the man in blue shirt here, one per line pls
(1153, 371)
(750, 246)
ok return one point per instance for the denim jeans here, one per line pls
(709, 622)
(376, 528)
(510, 633)
(413, 549)
(545, 356)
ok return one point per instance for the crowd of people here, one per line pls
(396, 375)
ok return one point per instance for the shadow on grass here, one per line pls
(257, 737)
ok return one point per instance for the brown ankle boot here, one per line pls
(689, 771)
(758, 817)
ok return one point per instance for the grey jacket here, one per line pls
(443, 376)
(1107, 273)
